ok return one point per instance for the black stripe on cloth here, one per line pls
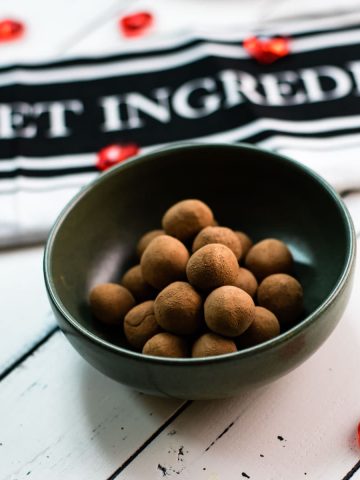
(352, 472)
(87, 133)
(48, 173)
(253, 139)
(268, 134)
(324, 31)
(78, 62)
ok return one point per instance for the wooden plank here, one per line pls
(25, 311)
(302, 426)
(63, 419)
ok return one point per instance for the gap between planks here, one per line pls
(27, 354)
(142, 447)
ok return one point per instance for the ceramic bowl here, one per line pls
(249, 189)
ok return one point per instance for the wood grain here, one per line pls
(26, 315)
(63, 419)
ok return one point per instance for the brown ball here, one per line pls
(212, 266)
(164, 261)
(146, 239)
(246, 242)
(246, 281)
(283, 295)
(211, 344)
(264, 327)
(134, 281)
(229, 311)
(178, 309)
(222, 235)
(140, 324)
(267, 257)
(110, 302)
(166, 345)
(185, 219)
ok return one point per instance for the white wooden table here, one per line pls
(61, 419)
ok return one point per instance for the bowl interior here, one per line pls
(250, 190)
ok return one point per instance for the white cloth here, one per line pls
(30, 204)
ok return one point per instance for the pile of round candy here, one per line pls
(201, 289)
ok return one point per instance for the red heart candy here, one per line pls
(136, 24)
(267, 50)
(113, 154)
(10, 30)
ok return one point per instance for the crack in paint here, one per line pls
(219, 436)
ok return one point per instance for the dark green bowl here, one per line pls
(249, 189)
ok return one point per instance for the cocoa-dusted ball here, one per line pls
(246, 281)
(134, 281)
(185, 219)
(211, 344)
(166, 345)
(140, 324)
(164, 261)
(212, 266)
(264, 327)
(222, 235)
(283, 295)
(178, 309)
(110, 302)
(246, 242)
(146, 239)
(267, 257)
(229, 311)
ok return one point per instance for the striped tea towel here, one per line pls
(55, 117)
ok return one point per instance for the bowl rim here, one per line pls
(246, 352)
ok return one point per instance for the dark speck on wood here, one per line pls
(261, 455)
(280, 438)
(28, 473)
(162, 469)
(181, 453)
(172, 432)
(245, 475)
(204, 468)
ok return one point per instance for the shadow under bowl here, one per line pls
(261, 193)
